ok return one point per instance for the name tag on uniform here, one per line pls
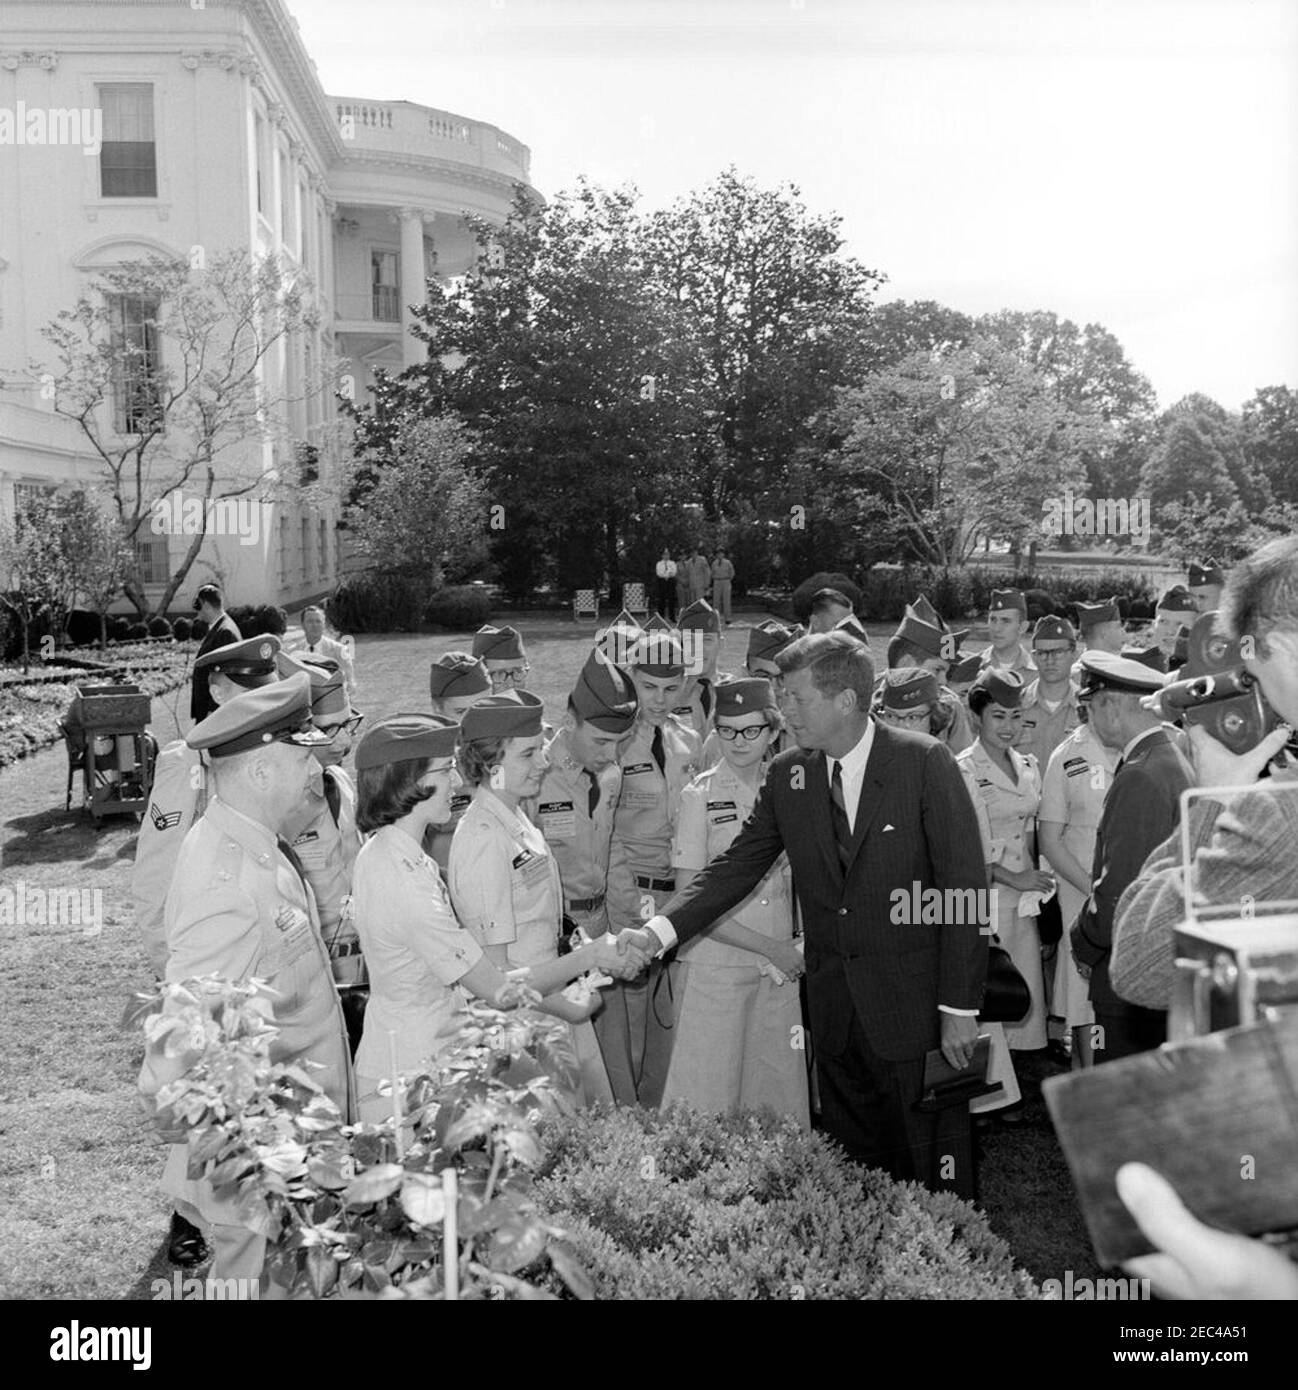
(558, 820)
(310, 849)
(719, 812)
(530, 867)
(638, 769)
(1075, 767)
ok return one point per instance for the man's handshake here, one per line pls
(626, 954)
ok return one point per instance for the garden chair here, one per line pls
(585, 604)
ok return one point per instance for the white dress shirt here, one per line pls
(853, 774)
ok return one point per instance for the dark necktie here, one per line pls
(592, 796)
(838, 814)
(287, 851)
(656, 748)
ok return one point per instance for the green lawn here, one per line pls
(84, 1216)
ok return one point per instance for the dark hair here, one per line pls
(978, 698)
(1261, 593)
(836, 661)
(478, 756)
(208, 593)
(827, 598)
(386, 793)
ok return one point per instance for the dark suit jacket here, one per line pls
(221, 634)
(915, 826)
(1142, 809)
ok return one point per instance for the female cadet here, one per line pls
(456, 680)
(1072, 799)
(416, 950)
(739, 1020)
(503, 879)
(1006, 791)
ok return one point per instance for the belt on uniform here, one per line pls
(656, 885)
(586, 904)
(339, 949)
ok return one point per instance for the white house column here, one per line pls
(412, 281)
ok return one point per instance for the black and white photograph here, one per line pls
(649, 652)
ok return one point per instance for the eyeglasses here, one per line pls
(348, 726)
(516, 676)
(750, 734)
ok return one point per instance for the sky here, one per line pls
(1132, 163)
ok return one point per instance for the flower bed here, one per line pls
(685, 1206)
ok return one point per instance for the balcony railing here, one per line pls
(411, 129)
(386, 303)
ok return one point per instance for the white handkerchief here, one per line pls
(1030, 903)
(887, 828)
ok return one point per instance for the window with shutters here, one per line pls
(137, 363)
(128, 157)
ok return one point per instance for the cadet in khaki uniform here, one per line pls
(658, 762)
(1099, 629)
(500, 649)
(1007, 621)
(456, 680)
(179, 791)
(925, 642)
(765, 642)
(700, 637)
(240, 908)
(503, 879)
(739, 1015)
(1049, 701)
(1205, 583)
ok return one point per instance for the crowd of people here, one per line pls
(704, 874)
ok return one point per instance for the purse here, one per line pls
(1006, 997)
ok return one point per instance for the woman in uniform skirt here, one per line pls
(504, 881)
(420, 958)
(739, 1023)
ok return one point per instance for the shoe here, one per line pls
(185, 1245)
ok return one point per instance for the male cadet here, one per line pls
(1175, 611)
(456, 681)
(1205, 582)
(1142, 808)
(1099, 628)
(500, 649)
(240, 908)
(329, 841)
(1007, 621)
(221, 631)
(1049, 704)
(179, 791)
(923, 640)
(765, 642)
(658, 761)
(700, 638)
(723, 573)
(616, 640)
(314, 642)
(831, 611)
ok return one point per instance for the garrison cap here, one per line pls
(457, 673)
(658, 654)
(605, 696)
(1147, 656)
(1007, 600)
(767, 639)
(831, 596)
(1090, 615)
(744, 696)
(964, 670)
(909, 688)
(1005, 687)
(1205, 572)
(617, 641)
(924, 611)
(1104, 671)
(1053, 629)
(328, 693)
(402, 738)
(249, 663)
(276, 713)
(1178, 599)
(516, 714)
(700, 616)
(626, 619)
(498, 643)
(656, 624)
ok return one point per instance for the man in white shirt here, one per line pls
(665, 570)
(314, 642)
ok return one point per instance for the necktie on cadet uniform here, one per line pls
(288, 852)
(656, 748)
(838, 814)
(592, 795)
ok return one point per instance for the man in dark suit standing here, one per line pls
(868, 814)
(221, 631)
(1142, 808)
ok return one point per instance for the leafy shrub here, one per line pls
(119, 629)
(182, 629)
(82, 627)
(686, 1206)
(198, 629)
(159, 627)
(244, 618)
(137, 632)
(374, 602)
(460, 607)
(822, 579)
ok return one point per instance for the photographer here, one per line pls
(1244, 852)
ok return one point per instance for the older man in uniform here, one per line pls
(1205, 582)
(1142, 808)
(1007, 621)
(501, 650)
(575, 809)
(240, 908)
(700, 574)
(658, 761)
(221, 632)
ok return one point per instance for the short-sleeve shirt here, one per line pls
(646, 810)
(578, 841)
(1006, 810)
(1077, 779)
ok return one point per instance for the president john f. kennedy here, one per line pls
(864, 809)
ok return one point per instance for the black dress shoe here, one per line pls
(185, 1245)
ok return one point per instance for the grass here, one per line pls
(84, 1216)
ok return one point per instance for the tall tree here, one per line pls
(1187, 464)
(1270, 423)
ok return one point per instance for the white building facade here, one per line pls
(150, 127)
